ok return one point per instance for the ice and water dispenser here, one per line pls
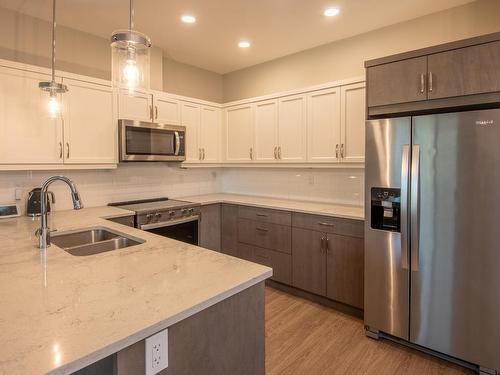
(386, 209)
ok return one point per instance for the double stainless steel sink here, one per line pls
(92, 241)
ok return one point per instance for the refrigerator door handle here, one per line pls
(415, 206)
(405, 165)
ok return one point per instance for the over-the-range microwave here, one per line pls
(147, 141)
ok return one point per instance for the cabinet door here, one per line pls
(266, 130)
(345, 269)
(210, 227)
(397, 82)
(190, 118)
(308, 261)
(136, 106)
(239, 133)
(353, 116)
(166, 110)
(27, 134)
(323, 125)
(229, 229)
(464, 71)
(292, 129)
(90, 124)
(210, 134)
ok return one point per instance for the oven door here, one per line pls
(145, 141)
(185, 230)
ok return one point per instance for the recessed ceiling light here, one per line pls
(330, 12)
(188, 19)
(244, 44)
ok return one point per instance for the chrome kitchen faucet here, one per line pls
(43, 232)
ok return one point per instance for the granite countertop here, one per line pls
(318, 208)
(60, 312)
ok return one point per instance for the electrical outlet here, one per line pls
(157, 353)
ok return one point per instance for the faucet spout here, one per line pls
(44, 231)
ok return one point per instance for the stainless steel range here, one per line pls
(167, 217)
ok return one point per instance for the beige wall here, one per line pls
(345, 58)
(26, 39)
(191, 81)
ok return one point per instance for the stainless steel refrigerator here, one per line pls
(432, 233)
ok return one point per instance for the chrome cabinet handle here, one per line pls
(337, 151)
(261, 215)
(431, 85)
(422, 83)
(60, 150)
(342, 151)
(323, 244)
(279, 152)
(275, 152)
(405, 162)
(203, 153)
(151, 112)
(67, 150)
(199, 154)
(156, 112)
(251, 153)
(325, 224)
(262, 229)
(327, 248)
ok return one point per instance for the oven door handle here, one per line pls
(177, 143)
(169, 223)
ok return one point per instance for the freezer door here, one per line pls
(455, 199)
(386, 235)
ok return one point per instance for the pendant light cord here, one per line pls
(131, 15)
(53, 40)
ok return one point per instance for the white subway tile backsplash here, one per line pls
(139, 181)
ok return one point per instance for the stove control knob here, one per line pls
(171, 214)
(158, 215)
(191, 211)
(184, 211)
(149, 217)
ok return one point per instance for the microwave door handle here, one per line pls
(177, 143)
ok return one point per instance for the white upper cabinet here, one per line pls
(239, 127)
(266, 131)
(292, 133)
(323, 126)
(135, 106)
(166, 110)
(90, 124)
(190, 118)
(353, 117)
(210, 134)
(27, 134)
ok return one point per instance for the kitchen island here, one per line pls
(61, 313)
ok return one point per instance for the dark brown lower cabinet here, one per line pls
(345, 269)
(210, 227)
(328, 265)
(229, 232)
(309, 260)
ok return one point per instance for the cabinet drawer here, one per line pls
(327, 224)
(267, 235)
(280, 263)
(265, 215)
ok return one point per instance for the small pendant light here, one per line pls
(52, 87)
(130, 57)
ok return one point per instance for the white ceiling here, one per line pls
(275, 27)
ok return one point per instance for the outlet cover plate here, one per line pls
(156, 352)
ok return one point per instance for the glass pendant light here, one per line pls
(130, 57)
(52, 87)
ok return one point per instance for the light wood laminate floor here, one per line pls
(306, 338)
